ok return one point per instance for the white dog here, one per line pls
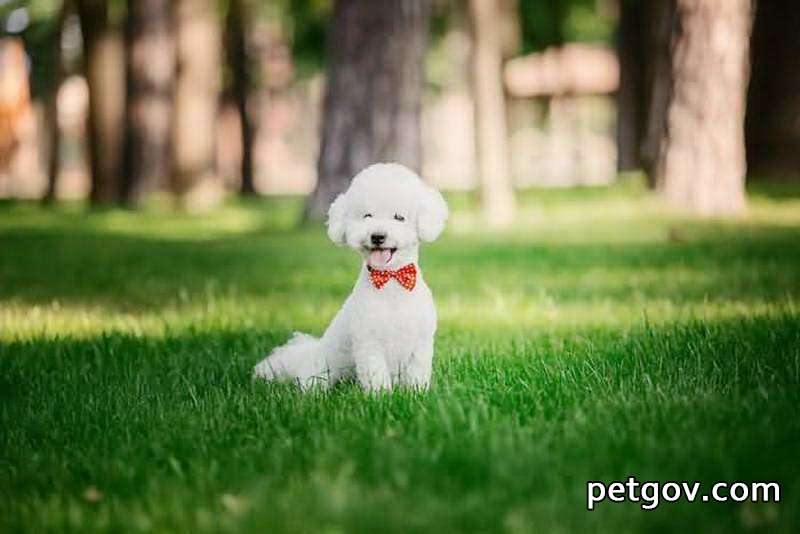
(383, 335)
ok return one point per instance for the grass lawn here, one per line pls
(601, 338)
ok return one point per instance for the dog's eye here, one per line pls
(398, 217)
(367, 215)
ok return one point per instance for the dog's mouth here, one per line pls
(380, 257)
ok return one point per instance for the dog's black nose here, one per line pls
(377, 239)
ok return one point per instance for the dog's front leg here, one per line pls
(417, 372)
(371, 369)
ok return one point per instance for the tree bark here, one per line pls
(199, 48)
(491, 136)
(371, 110)
(699, 162)
(150, 63)
(239, 62)
(105, 76)
(772, 127)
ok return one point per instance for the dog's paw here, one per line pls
(264, 370)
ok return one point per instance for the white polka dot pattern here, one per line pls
(406, 276)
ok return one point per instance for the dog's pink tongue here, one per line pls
(380, 258)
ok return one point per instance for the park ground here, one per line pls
(599, 338)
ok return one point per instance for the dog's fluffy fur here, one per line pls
(383, 337)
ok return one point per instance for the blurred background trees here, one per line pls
(103, 70)
(373, 96)
(698, 161)
(237, 36)
(491, 133)
(635, 44)
(197, 90)
(120, 101)
(150, 67)
(773, 106)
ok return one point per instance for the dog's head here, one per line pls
(385, 213)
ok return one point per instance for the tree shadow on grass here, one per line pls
(775, 189)
(130, 273)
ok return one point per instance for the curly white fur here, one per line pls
(383, 337)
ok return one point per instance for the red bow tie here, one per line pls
(407, 276)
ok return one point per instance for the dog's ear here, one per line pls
(336, 219)
(432, 214)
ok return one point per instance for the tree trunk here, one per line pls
(238, 60)
(491, 134)
(371, 111)
(196, 99)
(631, 109)
(150, 71)
(659, 23)
(105, 76)
(54, 146)
(773, 107)
(644, 49)
(700, 161)
(51, 110)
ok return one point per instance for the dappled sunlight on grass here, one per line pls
(499, 312)
(581, 259)
(160, 221)
(599, 338)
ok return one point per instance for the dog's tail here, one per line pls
(301, 360)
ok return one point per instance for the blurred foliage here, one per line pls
(542, 24)
(40, 31)
(554, 22)
(304, 24)
(308, 20)
(590, 22)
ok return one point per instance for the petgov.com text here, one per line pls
(652, 493)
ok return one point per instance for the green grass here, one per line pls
(602, 338)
